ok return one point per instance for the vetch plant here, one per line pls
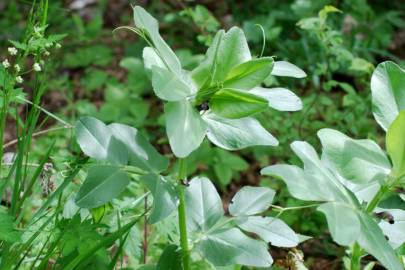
(217, 100)
(354, 177)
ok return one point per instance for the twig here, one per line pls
(10, 143)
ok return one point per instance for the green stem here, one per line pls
(356, 256)
(182, 214)
(377, 198)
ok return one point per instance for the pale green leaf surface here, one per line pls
(279, 98)
(388, 92)
(234, 134)
(170, 86)
(251, 200)
(231, 246)
(271, 230)
(349, 157)
(146, 22)
(373, 241)
(185, 127)
(204, 206)
(284, 68)
(343, 222)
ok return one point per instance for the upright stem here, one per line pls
(182, 215)
(356, 256)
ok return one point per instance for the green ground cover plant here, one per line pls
(152, 154)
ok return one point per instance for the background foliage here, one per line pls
(100, 73)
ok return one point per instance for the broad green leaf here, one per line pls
(249, 74)
(316, 169)
(394, 230)
(349, 157)
(233, 50)
(102, 184)
(373, 241)
(185, 127)
(279, 98)
(203, 74)
(395, 141)
(151, 58)
(96, 141)
(8, 232)
(251, 200)
(145, 22)
(204, 206)
(300, 185)
(388, 92)
(284, 68)
(170, 259)
(234, 134)
(231, 246)
(234, 104)
(164, 196)
(315, 182)
(271, 230)
(170, 86)
(140, 152)
(343, 223)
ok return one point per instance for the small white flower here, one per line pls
(48, 45)
(19, 79)
(58, 46)
(37, 67)
(5, 63)
(17, 68)
(46, 53)
(12, 50)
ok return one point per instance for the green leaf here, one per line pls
(102, 184)
(272, 230)
(234, 104)
(279, 98)
(395, 141)
(8, 233)
(349, 157)
(234, 134)
(140, 152)
(164, 196)
(249, 74)
(251, 200)
(169, 86)
(343, 223)
(170, 259)
(204, 206)
(373, 241)
(315, 182)
(144, 21)
(203, 73)
(300, 185)
(151, 58)
(284, 68)
(388, 92)
(233, 50)
(185, 127)
(95, 140)
(231, 246)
